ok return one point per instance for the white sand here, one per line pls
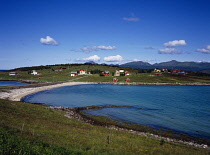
(17, 94)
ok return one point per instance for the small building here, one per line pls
(158, 74)
(117, 73)
(127, 73)
(13, 73)
(120, 72)
(178, 72)
(34, 72)
(156, 70)
(182, 73)
(115, 79)
(127, 80)
(106, 73)
(165, 70)
(74, 73)
(82, 72)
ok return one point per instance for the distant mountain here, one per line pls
(137, 65)
(4, 70)
(91, 62)
(187, 66)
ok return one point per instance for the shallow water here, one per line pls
(181, 108)
(11, 83)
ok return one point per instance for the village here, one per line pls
(118, 72)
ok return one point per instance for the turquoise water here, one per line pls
(181, 108)
(11, 83)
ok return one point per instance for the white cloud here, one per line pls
(95, 48)
(91, 58)
(116, 58)
(48, 41)
(131, 19)
(105, 47)
(175, 43)
(87, 49)
(136, 60)
(205, 50)
(169, 51)
(149, 48)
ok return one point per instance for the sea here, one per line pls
(11, 83)
(181, 108)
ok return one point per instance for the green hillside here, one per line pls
(56, 73)
(35, 129)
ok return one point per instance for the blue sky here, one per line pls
(47, 32)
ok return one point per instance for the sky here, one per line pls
(48, 32)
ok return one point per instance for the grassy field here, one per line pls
(54, 75)
(34, 129)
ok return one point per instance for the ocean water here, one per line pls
(181, 108)
(11, 83)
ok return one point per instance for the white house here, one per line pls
(120, 72)
(117, 73)
(34, 72)
(82, 72)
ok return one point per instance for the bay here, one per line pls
(181, 108)
(11, 83)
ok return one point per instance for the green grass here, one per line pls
(34, 129)
(147, 78)
(50, 75)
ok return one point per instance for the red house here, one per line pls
(127, 80)
(158, 74)
(13, 73)
(115, 79)
(106, 73)
(74, 73)
(127, 73)
(178, 72)
(165, 70)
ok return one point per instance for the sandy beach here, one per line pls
(17, 94)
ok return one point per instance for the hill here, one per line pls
(137, 65)
(187, 66)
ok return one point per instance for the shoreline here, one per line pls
(75, 113)
(16, 93)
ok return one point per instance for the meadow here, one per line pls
(55, 74)
(35, 129)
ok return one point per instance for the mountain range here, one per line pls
(186, 66)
